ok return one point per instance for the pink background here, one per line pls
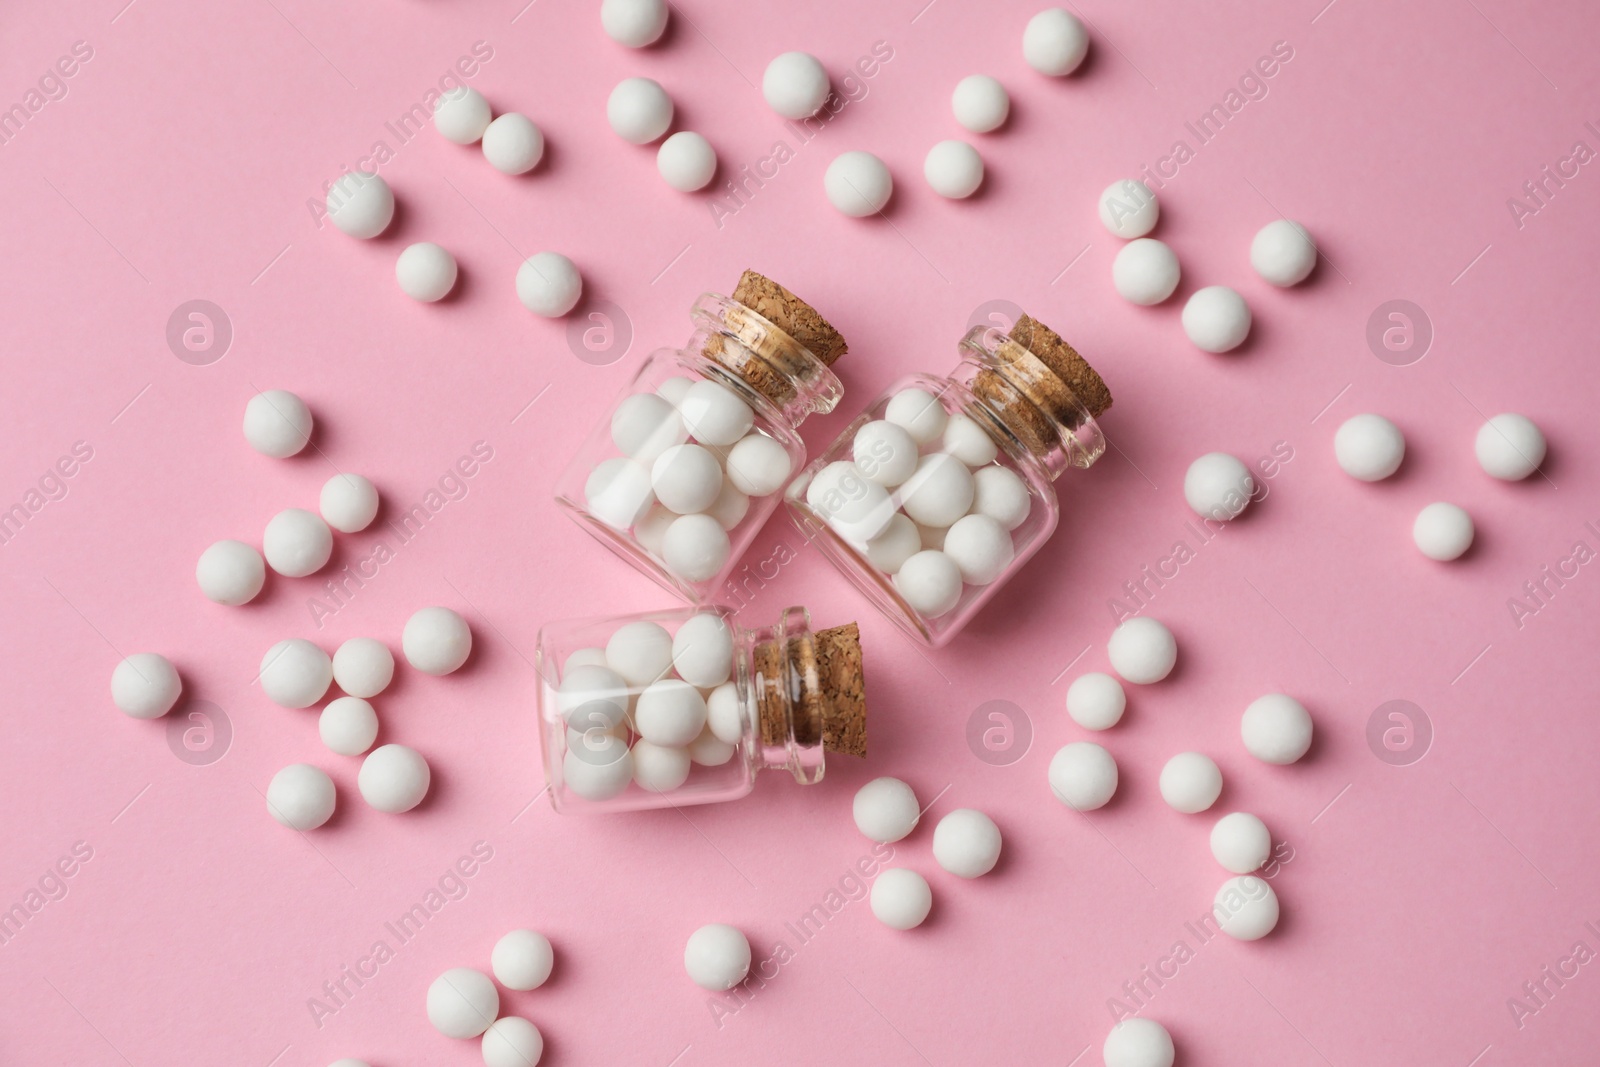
(1418, 898)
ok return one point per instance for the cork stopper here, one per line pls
(830, 705)
(1042, 384)
(780, 361)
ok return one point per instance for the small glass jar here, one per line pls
(693, 456)
(684, 707)
(943, 488)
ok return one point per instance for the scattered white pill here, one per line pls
(795, 85)
(522, 960)
(462, 1002)
(462, 115)
(968, 441)
(686, 478)
(1240, 842)
(1138, 1042)
(1191, 782)
(425, 271)
(1276, 729)
(758, 465)
(980, 103)
(919, 413)
(301, 797)
(1246, 908)
(930, 582)
(901, 898)
(295, 673)
(634, 23)
(1442, 531)
(394, 778)
(145, 685)
(1283, 253)
(640, 652)
(885, 452)
(1216, 319)
(695, 547)
(1083, 776)
(598, 769)
(1218, 486)
(1096, 701)
(670, 712)
(296, 543)
(858, 184)
(1055, 42)
(592, 696)
(980, 548)
(1001, 494)
(686, 161)
(277, 423)
(618, 492)
(702, 651)
(436, 640)
(939, 492)
(348, 1062)
(885, 809)
(1145, 271)
(899, 541)
(348, 726)
(513, 144)
(953, 169)
(659, 768)
(966, 843)
(858, 508)
(639, 110)
(1509, 447)
(548, 284)
(1142, 650)
(725, 715)
(230, 572)
(1128, 208)
(512, 1041)
(1369, 447)
(715, 414)
(349, 502)
(360, 204)
(717, 957)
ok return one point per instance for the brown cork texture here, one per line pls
(839, 668)
(772, 364)
(1042, 384)
(1064, 360)
(830, 704)
(790, 314)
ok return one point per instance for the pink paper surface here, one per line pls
(1418, 899)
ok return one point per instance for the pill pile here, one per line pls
(464, 1003)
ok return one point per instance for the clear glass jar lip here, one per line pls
(1081, 445)
(819, 390)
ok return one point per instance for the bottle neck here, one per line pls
(804, 693)
(758, 357)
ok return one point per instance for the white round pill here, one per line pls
(1096, 701)
(462, 1002)
(1216, 319)
(394, 778)
(687, 161)
(145, 685)
(980, 103)
(702, 651)
(1145, 271)
(360, 204)
(885, 809)
(730, 506)
(858, 184)
(592, 696)
(1240, 842)
(512, 1041)
(1276, 729)
(1138, 1042)
(230, 572)
(1283, 253)
(436, 640)
(670, 712)
(362, 667)
(295, 673)
(659, 768)
(795, 85)
(1001, 494)
(618, 492)
(686, 478)
(898, 542)
(930, 582)
(715, 414)
(599, 768)
(939, 492)
(584, 657)
(425, 271)
(674, 389)
(301, 797)
(522, 960)
(348, 726)
(968, 441)
(725, 714)
(548, 284)
(1054, 42)
(1509, 447)
(1191, 782)
(1442, 531)
(953, 169)
(639, 110)
(1128, 208)
(966, 843)
(645, 425)
(919, 413)
(1142, 650)
(640, 652)
(980, 548)
(296, 543)
(716, 957)
(277, 423)
(1369, 447)
(885, 452)
(1218, 486)
(348, 502)
(462, 115)
(709, 750)
(651, 530)
(634, 23)
(1246, 908)
(758, 465)
(901, 898)
(513, 144)
(1083, 776)
(695, 547)
(857, 508)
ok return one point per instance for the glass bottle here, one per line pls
(692, 457)
(685, 707)
(941, 490)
